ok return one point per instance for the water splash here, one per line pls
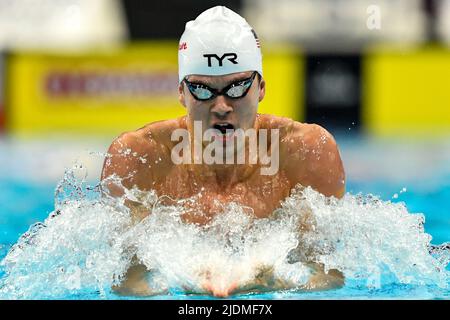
(88, 242)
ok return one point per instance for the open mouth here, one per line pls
(223, 127)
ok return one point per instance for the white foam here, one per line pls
(87, 243)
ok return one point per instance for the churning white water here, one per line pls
(88, 242)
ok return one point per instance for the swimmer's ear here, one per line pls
(181, 96)
(262, 89)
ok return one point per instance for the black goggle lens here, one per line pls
(235, 90)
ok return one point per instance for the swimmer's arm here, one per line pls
(134, 282)
(314, 150)
(265, 280)
(319, 280)
(117, 164)
(121, 163)
(131, 159)
(313, 159)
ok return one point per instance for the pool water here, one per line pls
(416, 174)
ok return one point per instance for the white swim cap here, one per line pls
(218, 42)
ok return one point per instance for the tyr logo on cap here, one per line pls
(231, 57)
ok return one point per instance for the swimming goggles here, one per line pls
(235, 90)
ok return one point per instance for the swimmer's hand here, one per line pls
(221, 290)
(263, 281)
(135, 283)
(216, 285)
(320, 280)
(266, 281)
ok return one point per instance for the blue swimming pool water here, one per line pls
(26, 201)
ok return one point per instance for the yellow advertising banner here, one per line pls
(92, 93)
(407, 92)
(106, 93)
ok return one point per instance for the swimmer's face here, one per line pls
(237, 113)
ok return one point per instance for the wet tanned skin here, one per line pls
(308, 156)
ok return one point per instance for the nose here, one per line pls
(221, 107)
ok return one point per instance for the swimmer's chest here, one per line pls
(262, 193)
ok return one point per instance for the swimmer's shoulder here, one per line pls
(310, 134)
(269, 121)
(145, 150)
(161, 131)
(290, 129)
(155, 136)
(309, 155)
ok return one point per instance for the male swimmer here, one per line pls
(220, 84)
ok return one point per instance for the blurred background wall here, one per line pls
(101, 67)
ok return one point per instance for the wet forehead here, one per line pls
(219, 81)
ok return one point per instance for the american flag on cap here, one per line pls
(258, 44)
